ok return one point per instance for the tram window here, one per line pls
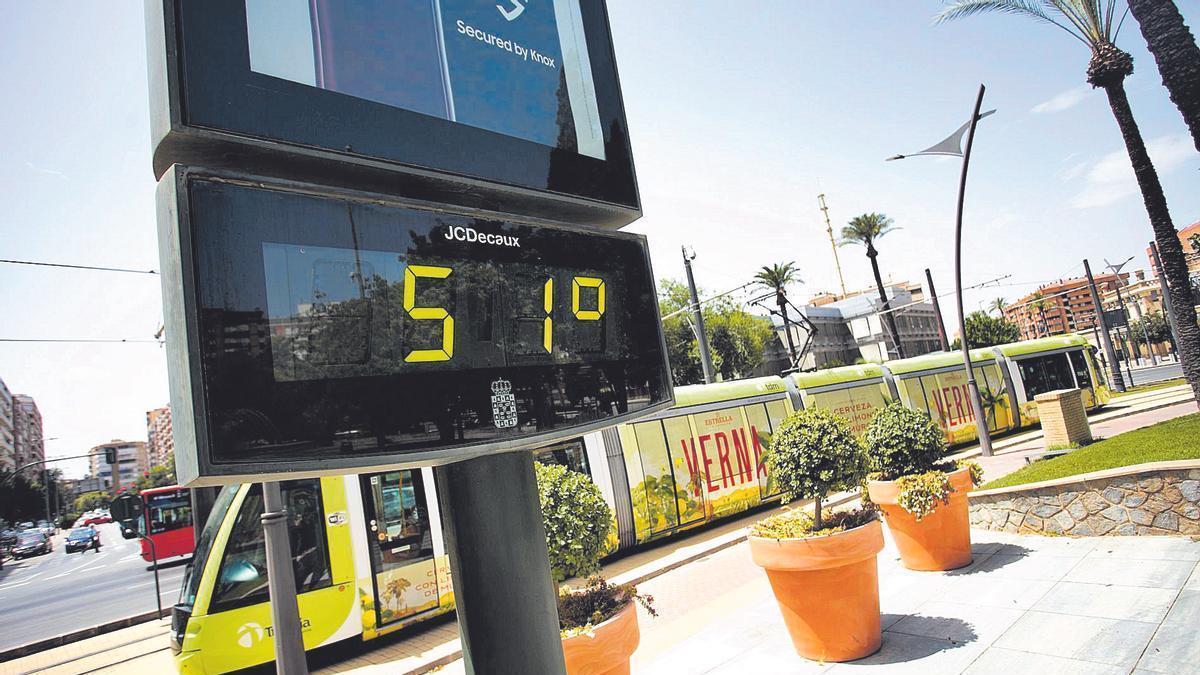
(1045, 373)
(242, 579)
(570, 454)
(1079, 365)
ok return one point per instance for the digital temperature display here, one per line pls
(338, 331)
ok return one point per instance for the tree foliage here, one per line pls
(158, 476)
(778, 277)
(736, 337)
(20, 498)
(813, 453)
(902, 442)
(576, 518)
(1154, 326)
(984, 330)
(91, 500)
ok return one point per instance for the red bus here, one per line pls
(167, 521)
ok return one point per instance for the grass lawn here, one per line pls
(1143, 388)
(1174, 439)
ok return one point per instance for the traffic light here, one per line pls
(110, 456)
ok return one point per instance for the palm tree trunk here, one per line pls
(787, 327)
(1175, 51)
(1170, 249)
(888, 318)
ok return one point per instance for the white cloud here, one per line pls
(1063, 101)
(1111, 179)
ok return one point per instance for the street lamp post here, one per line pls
(1116, 269)
(951, 146)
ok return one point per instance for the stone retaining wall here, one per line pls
(1160, 498)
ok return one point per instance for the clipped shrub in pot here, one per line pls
(923, 497)
(822, 567)
(598, 621)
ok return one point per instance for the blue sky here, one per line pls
(740, 114)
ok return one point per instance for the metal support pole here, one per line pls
(937, 312)
(507, 611)
(1114, 368)
(281, 583)
(154, 561)
(698, 318)
(981, 426)
(1127, 346)
(1166, 296)
(46, 486)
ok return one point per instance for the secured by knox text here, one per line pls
(461, 233)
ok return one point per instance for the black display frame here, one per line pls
(196, 464)
(210, 109)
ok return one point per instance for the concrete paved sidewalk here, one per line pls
(1025, 605)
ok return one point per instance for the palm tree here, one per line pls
(777, 277)
(865, 229)
(1092, 23)
(1175, 51)
(998, 304)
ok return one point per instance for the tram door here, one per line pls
(401, 545)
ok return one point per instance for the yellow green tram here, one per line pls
(368, 551)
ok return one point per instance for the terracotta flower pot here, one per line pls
(607, 650)
(940, 540)
(827, 589)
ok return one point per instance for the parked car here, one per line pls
(81, 538)
(47, 528)
(103, 516)
(8, 538)
(32, 542)
(27, 525)
(91, 518)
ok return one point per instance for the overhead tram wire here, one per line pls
(84, 340)
(78, 267)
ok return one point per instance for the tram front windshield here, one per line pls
(195, 569)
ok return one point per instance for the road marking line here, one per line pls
(14, 584)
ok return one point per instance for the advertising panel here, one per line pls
(512, 106)
(857, 404)
(690, 468)
(946, 397)
(521, 70)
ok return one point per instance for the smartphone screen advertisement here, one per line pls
(515, 67)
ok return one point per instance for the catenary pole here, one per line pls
(1114, 368)
(698, 319)
(1166, 296)
(937, 312)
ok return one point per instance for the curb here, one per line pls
(68, 638)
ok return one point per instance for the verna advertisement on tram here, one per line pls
(369, 554)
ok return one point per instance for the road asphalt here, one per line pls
(58, 593)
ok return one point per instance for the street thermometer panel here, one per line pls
(335, 332)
